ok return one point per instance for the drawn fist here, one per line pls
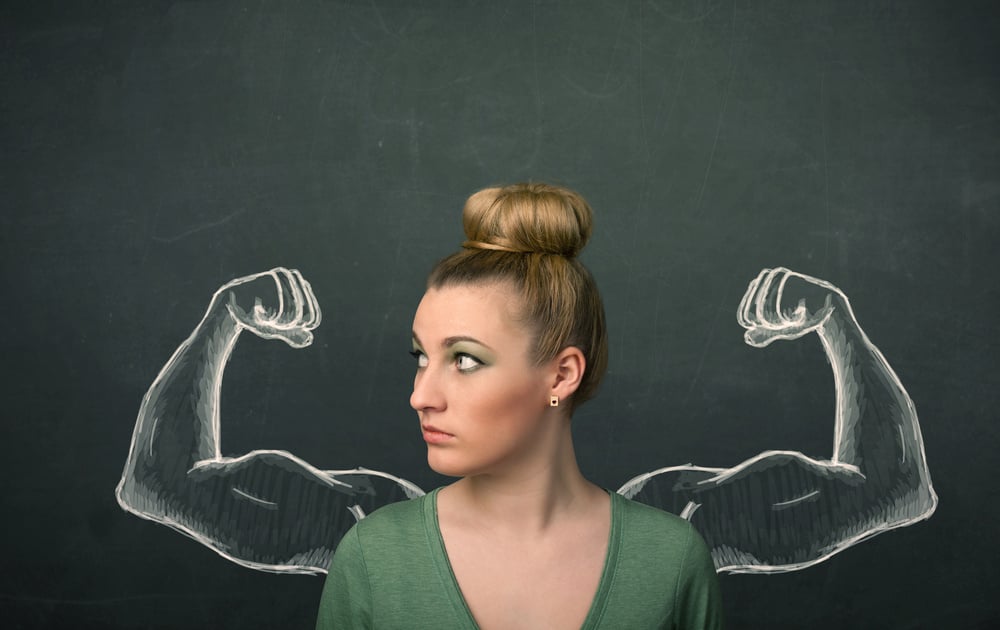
(276, 304)
(783, 304)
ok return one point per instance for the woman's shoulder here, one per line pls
(394, 518)
(654, 542)
(391, 532)
(648, 514)
(642, 522)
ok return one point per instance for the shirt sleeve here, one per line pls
(699, 601)
(346, 602)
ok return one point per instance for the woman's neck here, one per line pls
(526, 499)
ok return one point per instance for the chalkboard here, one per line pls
(155, 151)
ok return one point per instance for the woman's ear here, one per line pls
(568, 368)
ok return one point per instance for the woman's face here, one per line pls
(480, 399)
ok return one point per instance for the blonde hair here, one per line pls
(529, 235)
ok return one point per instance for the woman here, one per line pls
(779, 510)
(509, 339)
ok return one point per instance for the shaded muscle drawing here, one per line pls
(782, 510)
(778, 511)
(267, 510)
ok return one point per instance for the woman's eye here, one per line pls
(420, 357)
(466, 362)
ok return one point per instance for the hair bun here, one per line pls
(527, 218)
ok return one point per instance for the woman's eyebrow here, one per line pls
(450, 341)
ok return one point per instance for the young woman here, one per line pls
(510, 325)
(509, 339)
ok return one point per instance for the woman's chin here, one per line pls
(444, 465)
(452, 464)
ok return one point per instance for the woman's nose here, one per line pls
(426, 392)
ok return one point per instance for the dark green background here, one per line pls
(151, 151)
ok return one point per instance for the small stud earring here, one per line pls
(553, 401)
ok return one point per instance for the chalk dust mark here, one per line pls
(199, 228)
(722, 113)
(704, 350)
(381, 21)
(614, 47)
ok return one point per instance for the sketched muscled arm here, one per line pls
(267, 509)
(781, 510)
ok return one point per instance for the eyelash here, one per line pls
(417, 354)
(457, 358)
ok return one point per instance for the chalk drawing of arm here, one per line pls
(266, 509)
(781, 510)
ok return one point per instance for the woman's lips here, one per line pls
(433, 435)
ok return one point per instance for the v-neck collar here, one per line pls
(440, 554)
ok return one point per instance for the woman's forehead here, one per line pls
(476, 310)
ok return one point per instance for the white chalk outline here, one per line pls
(847, 347)
(142, 490)
(182, 410)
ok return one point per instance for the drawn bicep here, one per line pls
(271, 511)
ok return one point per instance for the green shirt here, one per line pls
(391, 570)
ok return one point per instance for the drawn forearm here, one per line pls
(178, 421)
(876, 429)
